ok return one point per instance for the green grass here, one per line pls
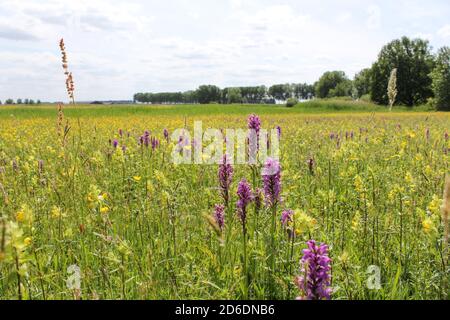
(315, 106)
(134, 222)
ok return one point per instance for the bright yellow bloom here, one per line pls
(302, 222)
(435, 205)
(428, 225)
(27, 241)
(355, 221)
(359, 184)
(56, 212)
(20, 216)
(137, 178)
(104, 210)
(24, 215)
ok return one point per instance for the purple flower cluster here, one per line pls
(115, 143)
(314, 282)
(147, 140)
(272, 181)
(286, 216)
(183, 141)
(254, 123)
(225, 178)
(245, 196)
(219, 216)
(279, 132)
(154, 143)
(144, 140)
(166, 134)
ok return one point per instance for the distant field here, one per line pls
(317, 106)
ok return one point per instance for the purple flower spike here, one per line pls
(314, 282)
(245, 196)
(155, 143)
(225, 178)
(115, 143)
(286, 216)
(166, 134)
(219, 216)
(271, 175)
(254, 123)
(146, 138)
(279, 131)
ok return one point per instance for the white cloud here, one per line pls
(374, 17)
(444, 32)
(344, 17)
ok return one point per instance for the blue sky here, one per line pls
(117, 48)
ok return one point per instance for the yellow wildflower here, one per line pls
(104, 210)
(56, 212)
(24, 215)
(428, 225)
(27, 241)
(435, 204)
(355, 221)
(302, 222)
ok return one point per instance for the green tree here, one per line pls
(361, 83)
(9, 101)
(38, 101)
(302, 91)
(232, 95)
(19, 101)
(333, 84)
(280, 91)
(189, 97)
(414, 63)
(441, 80)
(208, 94)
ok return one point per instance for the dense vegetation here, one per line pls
(98, 200)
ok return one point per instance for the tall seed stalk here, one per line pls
(392, 88)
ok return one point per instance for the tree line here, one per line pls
(20, 101)
(422, 77)
(213, 94)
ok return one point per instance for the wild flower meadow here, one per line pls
(94, 208)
